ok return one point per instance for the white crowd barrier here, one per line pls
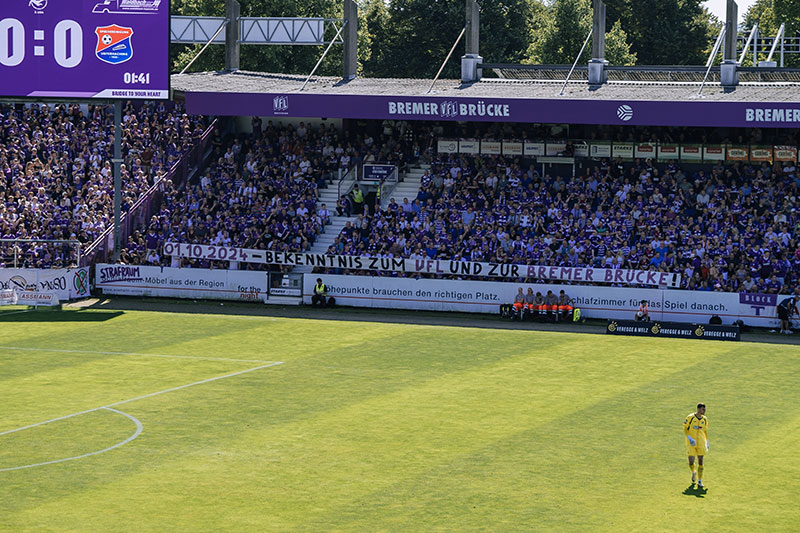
(63, 283)
(594, 302)
(182, 282)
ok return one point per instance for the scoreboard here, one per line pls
(84, 49)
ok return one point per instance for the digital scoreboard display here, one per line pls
(84, 49)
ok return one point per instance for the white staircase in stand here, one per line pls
(408, 188)
(327, 196)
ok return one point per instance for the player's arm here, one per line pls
(705, 432)
(687, 424)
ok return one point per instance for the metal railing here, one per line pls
(141, 211)
(347, 181)
(388, 186)
(642, 74)
(17, 252)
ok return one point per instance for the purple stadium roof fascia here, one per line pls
(631, 112)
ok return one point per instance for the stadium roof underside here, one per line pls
(751, 104)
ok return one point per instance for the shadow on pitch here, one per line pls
(693, 490)
(57, 315)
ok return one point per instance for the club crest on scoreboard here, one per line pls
(38, 6)
(114, 44)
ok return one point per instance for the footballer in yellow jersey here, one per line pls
(695, 429)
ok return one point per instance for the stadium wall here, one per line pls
(594, 302)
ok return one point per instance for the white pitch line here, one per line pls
(143, 397)
(138, 431)
(14, 312)
(19, 348)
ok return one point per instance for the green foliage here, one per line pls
(561, 31)
(770, 14)
(665, 32)
(618, 48)
(413, 37)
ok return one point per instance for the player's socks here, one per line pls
(699, 472)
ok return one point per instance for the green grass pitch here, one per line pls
(383, 427)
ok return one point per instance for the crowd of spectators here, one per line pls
(723, 228)
(56, 175)
(260, 191)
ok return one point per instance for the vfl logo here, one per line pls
(38, 6)
(625, 112)
(449, 109)
(280, 104)
(114, 44)
(19, 283)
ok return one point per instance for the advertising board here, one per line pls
(599, 150)
(531, 149)
(761, 153)
(668, 151)
(447, 147)
(85, 49)
(182, 282)
(555, 148)
(645, 150)
(64, 283)
(594, 302)
(46, 299)
(737, 153)
(491, 147)
(786, 153)
(691, 152)
(714, 153)
(623, 150)
(674, 330)
(512, 148)
(469, 147)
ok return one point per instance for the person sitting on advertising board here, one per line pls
(538, 306)
(564, 306)
(519, 304)
(551, 306)
(530, 301)
(642, 314)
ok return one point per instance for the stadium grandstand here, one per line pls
(680, 170)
